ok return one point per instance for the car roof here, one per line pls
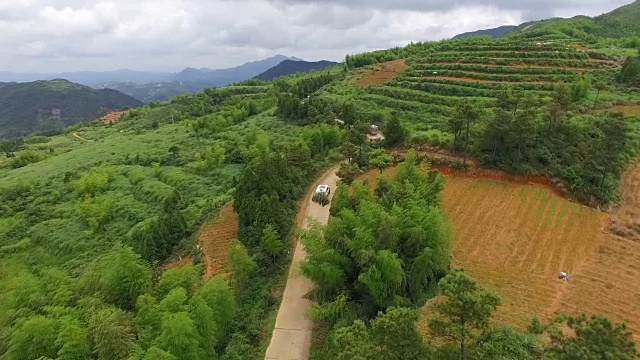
(323, 187)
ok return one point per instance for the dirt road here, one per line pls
(291, 336)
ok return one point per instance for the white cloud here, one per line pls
(72, 35)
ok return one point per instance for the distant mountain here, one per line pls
(494, 33)
(48, 105)
(289, 67)
(223, 77)
(155, 91)
(91, 77)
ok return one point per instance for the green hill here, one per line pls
(49, 105)
(494, 33)
(92, 220)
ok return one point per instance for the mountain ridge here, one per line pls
(290, 67)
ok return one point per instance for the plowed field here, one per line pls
(515, 237)
(379, 74)
(216, 238)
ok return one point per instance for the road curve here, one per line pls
(291, 336)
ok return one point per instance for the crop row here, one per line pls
(528, 70)
(493, 77)
(463, 88)
(453, 58)
(488, 85)
(428, 98)
(520, 55)
(405, 105)
(528, 46)
(239, 90)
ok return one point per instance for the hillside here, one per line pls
(494, 33)
(48, 105)
(289, 67)
(517, 148)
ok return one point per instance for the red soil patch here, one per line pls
(113, 117)
(627, 110)
(379, 74)
(216, 238)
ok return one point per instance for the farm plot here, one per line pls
(379, 74)
(516, 238)
(216, 239)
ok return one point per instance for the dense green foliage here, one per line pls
(53, 105)
(86, 222)
(382, 250)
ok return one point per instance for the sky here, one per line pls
(168, 35)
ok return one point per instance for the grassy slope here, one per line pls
(55, 219)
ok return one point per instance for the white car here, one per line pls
(323, 189)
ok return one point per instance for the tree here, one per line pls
(394, 133)
(185, 277)
(593, 338)
(33, 338)
(272, 245)
(242, 265)
(580, 88)
(396, 336)
(179, 336)
(204, 319)
(348, 172)
(468, 113)
(614, 131)
(599, 86)
(352, 343)
(118, 277)
(221, 299)
(72, 340)
(111, 332)
(465, 310)
(157, 354)
(380, 160)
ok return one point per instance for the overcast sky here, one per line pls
(74, 35)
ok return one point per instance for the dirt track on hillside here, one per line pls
(291, 336)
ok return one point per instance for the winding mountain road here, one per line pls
(291, 336)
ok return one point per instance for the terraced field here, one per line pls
(437, 79)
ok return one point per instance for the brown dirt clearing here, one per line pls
(113, 117)
(216, 238)
(627, 110)
(379, 74)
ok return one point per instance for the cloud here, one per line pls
(73, 35)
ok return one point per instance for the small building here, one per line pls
(373, 130)
(56, 112)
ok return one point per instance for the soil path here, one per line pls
(291, 337)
